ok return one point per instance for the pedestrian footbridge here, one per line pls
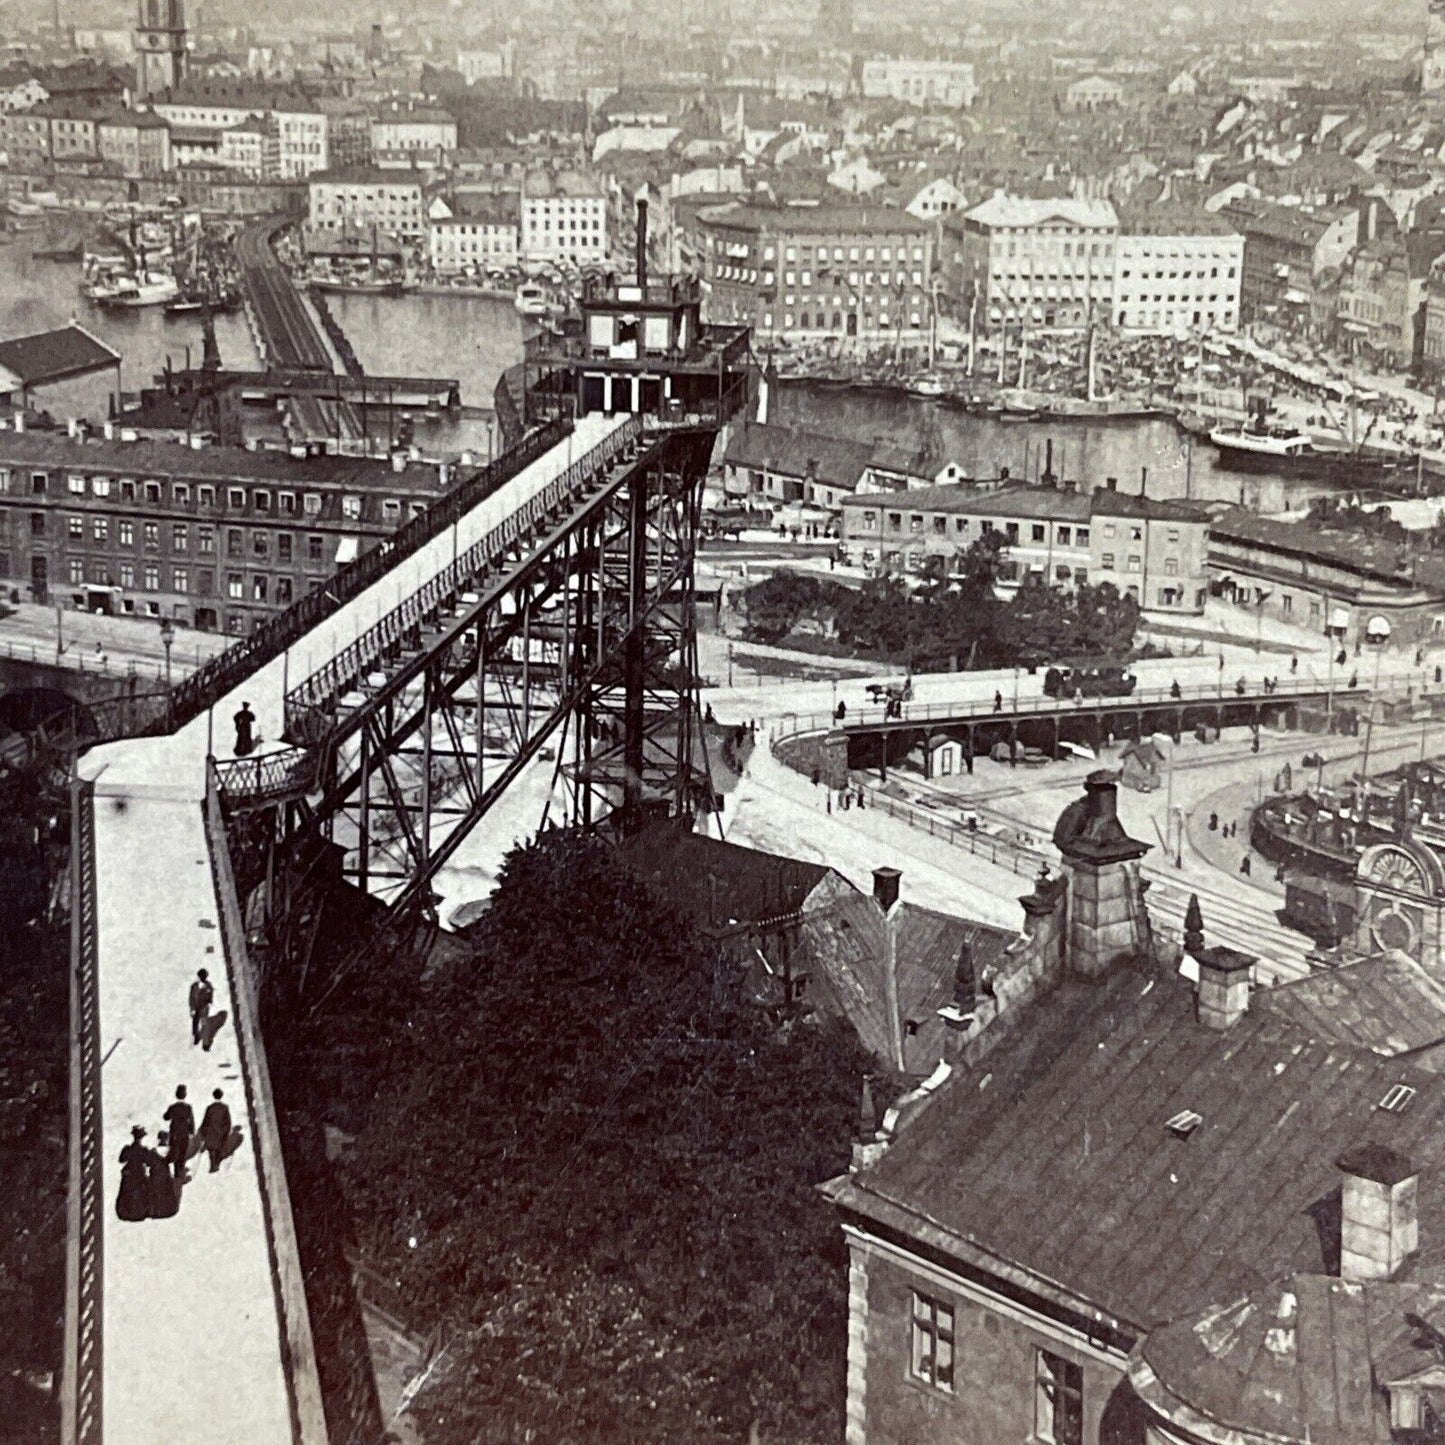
(196, 1326)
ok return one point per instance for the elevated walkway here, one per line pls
(195, 1326)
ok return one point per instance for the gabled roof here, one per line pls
(1052, 1162)
(48, 356)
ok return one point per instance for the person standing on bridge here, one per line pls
(245, 721)
(216, 1130)
(201, 995)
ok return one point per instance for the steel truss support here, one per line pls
(585, 640)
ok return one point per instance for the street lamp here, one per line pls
(1377, 634)
(168, 636)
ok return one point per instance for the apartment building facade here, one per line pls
(363, 197)
(561, 222)
(471, 232)
(813, 273)
(1021, 261)
(1154, 552)
(1176, 272)
(948, 84)
(215, 538)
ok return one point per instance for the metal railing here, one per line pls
(82, 1377)
(966, 710)
(288, 1285)
(311, 696)
(216, 678)
(1017, 857)
(267, 778)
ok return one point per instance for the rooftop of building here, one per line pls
(365, 176)
(55, 355)
(239, 93)
(1171, 219)
(1054, 1163)
(824, 219)
(1368, 557)
(793, 452)
(151, 458)
(1109, 502)
(1045, 503)
(1025, 212)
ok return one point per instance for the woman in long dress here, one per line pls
(162, 1191)
(132, 1200)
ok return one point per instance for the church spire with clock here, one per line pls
(160, 46)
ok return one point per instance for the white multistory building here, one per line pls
(563, 223)
(1177, 272)
(946, 83)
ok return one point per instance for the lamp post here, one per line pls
(1377, 634)
(168, 636)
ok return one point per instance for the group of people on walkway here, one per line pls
(151, 1179)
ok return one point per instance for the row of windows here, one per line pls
(1058, 1382)
(152, 578)
(1064, 536)
(258, 499)
(180, 537)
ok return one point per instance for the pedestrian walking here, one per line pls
(830, 802)
(132, 1199)
(216, 1129)
(1293, 665)
(245, 721)
(181, 1119)
(1244, 865)
(163, 1193)
(201, 996)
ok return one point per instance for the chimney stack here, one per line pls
(1225, 976)
(642, 242)
(885, 887)
(1379, 1221)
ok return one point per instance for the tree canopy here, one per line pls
(951, 620)
(592, 1160)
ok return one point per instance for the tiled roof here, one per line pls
(1045, 503)
(68, 351)
(1106, 502)
(1366, 556)
(1054, 1159)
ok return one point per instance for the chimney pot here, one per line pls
(1379, 1212)
(885, 887)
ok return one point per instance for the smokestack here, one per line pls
(641, 242)
(885, 887)
(1379, 1223)
(1225, 977)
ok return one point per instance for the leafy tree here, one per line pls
(592, 1161)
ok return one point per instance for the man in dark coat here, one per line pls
(216, 1130)
(201, 995)
(182, 1121)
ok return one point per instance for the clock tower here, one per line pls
(160, 46)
